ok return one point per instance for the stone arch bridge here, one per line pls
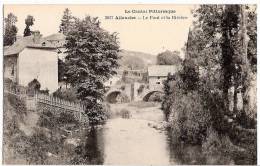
(130, 92)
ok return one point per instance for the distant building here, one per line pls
(134, 75)
(32, 57)
(112, 81)
(158, 73)
(58, 40)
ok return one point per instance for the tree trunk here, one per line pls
(245, 64)
(226, 58)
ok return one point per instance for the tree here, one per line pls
(92, 57)
(219, 46)
(169, 58)
(10, 30)
(61, 70)
(66, 22)
(29, 21)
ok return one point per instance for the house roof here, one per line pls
(55, 37)
(161, 70)
(29, 42)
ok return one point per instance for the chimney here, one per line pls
(36, 36)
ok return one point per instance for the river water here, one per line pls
(137, 140)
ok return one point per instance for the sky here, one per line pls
(150, 35)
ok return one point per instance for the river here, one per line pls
(138, 139)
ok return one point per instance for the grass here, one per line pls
(45, 144)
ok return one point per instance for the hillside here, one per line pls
(39, 137)
(136, 60)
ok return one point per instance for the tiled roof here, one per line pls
(18, 46)
(28, 41)
(161, 70)
(55, 36)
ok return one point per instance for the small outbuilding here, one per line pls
(32, 57)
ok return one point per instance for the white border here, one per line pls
(122, 2)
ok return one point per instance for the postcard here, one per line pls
(129, 84)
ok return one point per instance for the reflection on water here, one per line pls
(181, 153)
(134, 141)
(95, 146)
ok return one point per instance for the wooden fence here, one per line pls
(32, 99)
(57, 102)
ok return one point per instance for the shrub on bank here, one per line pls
(45, 144)
(156, 97)
(97, 114)
(217, 148)
(188, 119)
(66, 94)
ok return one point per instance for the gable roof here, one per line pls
(27, 41)
(55, 37)
(161, 70)
(18, 46)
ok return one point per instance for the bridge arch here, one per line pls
(150, 93)
(117, 96)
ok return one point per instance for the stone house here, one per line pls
(134, 75)
(32, 57)
(158, 73)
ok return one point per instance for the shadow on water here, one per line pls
(95, 146)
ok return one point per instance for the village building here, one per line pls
(158, 73)
(33, 57)
(112, 81)
(130, 75)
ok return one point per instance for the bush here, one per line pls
(218, 148)
(188, 119)
(34, 85)
(156, 97)
(66, 94)
(18, 104)
(96, 114)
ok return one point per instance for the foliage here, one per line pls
(45, 91)
(66, 22)
(34, 85)
(45, 145)
(51, 121)
(69, 94)
(189, 76)
(92, 57)
(217, 148)
(169, 58)
(10, 29)
(216, 60)
(29, 21)
(61, 70)
(188, 119)
(252, 34)
(156, 97)
(217, 43)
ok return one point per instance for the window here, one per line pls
(12, 70)
(158, 82)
